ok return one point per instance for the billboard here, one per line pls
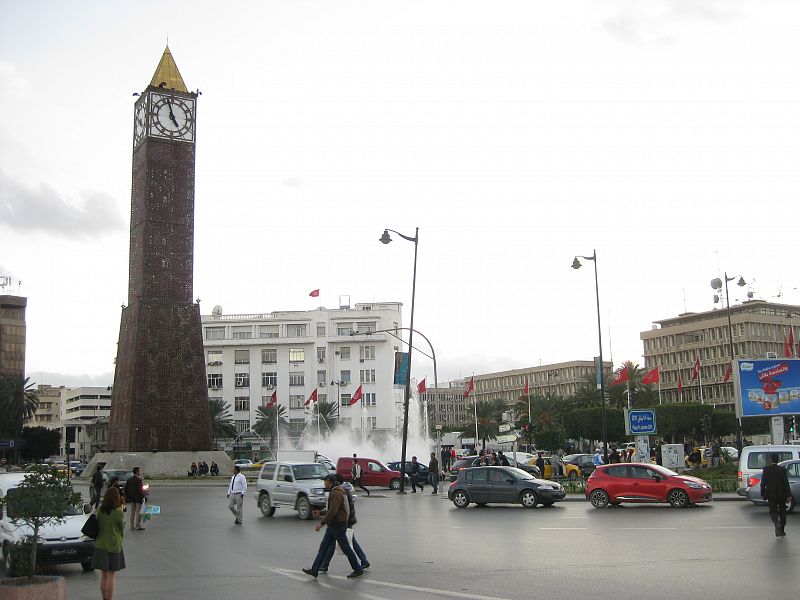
(400, 368)
(767, 387)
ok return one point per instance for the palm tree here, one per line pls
(267, 420)
(587, 395)
(221, 420)
(19, 401)
(328, 414)
(489, 412)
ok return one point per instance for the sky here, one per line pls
(515, 135)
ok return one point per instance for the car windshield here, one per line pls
(315, 471)
(12, 512)
(572, 457)
(663, 470)
(519, 473)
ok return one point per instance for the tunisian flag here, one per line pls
(680, 383)
(728, 373)
(421, 387)
(314, 293)
(470, 387)
(696, 369)
(787, 349)
(312, 397)
(791, 342)
(527, 390)
(620, 376)
(356, 397)
(273, 399)
(651, 377)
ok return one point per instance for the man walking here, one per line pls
(355, 473)
(237, 488)
(351, 520)
(775, 489)
(134, 492)
(335, 518)
(97, 487)
(415, 476)
(433, 473)
(445, 459)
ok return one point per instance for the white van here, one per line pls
(753, 459)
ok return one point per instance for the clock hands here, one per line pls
(171, 114)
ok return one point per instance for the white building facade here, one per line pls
(81, 409)
(250, 357)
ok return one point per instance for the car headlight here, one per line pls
(695, 486)
(546, 487)
(317, 491)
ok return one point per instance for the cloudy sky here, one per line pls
(513, 134)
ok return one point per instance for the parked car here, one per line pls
(494, 485)
(243, 463)
(59, 543)
(77, 467)
(570, 470)
(474, 461)
(754, 458)
(582, 461)
(294, 485)
(422, 478)
(754, 485)
(641, 482)
(373, 472)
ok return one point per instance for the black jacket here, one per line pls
(775, 483)
(133, 490)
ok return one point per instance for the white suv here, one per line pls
(294, 485)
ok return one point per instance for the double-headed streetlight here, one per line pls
(385, 239)
(576, 264)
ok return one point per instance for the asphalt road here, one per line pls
(421, 546)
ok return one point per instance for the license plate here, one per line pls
(63, 552)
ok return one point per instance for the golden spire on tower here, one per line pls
(167, 74)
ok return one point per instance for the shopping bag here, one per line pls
(149, 511)
(349, 533)
(92, 527)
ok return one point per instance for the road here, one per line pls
(420, 546)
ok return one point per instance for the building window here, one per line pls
(345, 399)
(368, 399)
(297, 425)
(242, 380)
(214, 358)
(344, 377)
(297, 355)
(320, 329)
(241, 357)
(269, 356)
(366, 327)
(322, 377)
(344, 353)
(265, 400)
(297, 401)
(367, 375)
(215, 333)
(242, 426)
(321, 355)
(242, 333)
(215, 381)
(297, 378)
(344, 329)
(322, 397)
(267, 331)
(269, 379)
(366, 352)
(296, 330)
(241, 403)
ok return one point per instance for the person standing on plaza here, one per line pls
(356, 473)
(351, 520)
(613, 457)
(597, 458)
(776, 491)
(540, 464)
(237, 488)
(97, 487)
(134, 492)
(415, 476)
(433, 473)
(336, 518)
(445, 454)
(108, 557)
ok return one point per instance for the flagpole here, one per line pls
(277, 425)
(659, 384)
(475, 406)
(700, 380)
(629, 391)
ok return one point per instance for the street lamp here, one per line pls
(576, 264)
(385, 239)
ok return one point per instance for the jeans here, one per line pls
(326, 561)
(434, 479)
(334, 534)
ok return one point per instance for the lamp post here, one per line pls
(716, 284)
(576, 264)
(385, 239)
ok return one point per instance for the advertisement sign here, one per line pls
(400, 368)
(767, 387)
(640, 422)
(642, 448)
(672, 456)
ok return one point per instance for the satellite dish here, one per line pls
(217, 312)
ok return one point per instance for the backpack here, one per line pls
(351, 519)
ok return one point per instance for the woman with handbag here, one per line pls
(108, 556)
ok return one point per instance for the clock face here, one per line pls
(139, 123)
(172, 117)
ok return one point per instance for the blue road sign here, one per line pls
(640, 422)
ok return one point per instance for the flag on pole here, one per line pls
(696, 369)
(527, 390)
(273, 399)
(356, 397)
(421, 387)
(787, 349)
(470, 387)
(728, 373)
(791, 341)
(620, 376)
(312, 397)
(651, 377)
(680, 383)
(314, 293)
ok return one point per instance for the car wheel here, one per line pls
(678, 498)
(265, 504)
(460, 499)
(599, 499)
(529, 499)
(394, 484)
(303, 508)
(87, 566)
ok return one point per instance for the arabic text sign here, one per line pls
(769, 387)
(640, 422)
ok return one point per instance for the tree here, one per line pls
(267, 421)
(221, 420)
(587, 395)
(40, 442)
(42, 497)
(328, 415)
(488, 416)
(19, 401)
(587, 423)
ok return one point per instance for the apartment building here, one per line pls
(446, 405)
(250, 357)
(12, 335)
(81, 410)
(49, 412)
(674, 344)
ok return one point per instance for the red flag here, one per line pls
(273, 399)
(421, 387)
(787, 349)
(356, 397)
(728, 373)
(314, 293)
(620, 376)
(680, 383)
(527, 390)
(696, 369)
(651, 377)
(791, 341)
(470, 387)
(312, 397)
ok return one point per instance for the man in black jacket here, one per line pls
(775, 489)
(134, 494)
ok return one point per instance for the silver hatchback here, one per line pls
(753, 490)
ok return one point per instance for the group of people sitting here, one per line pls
(202, 469)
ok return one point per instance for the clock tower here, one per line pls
(160, 399)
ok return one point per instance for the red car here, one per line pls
(640, 482)
(373, 472)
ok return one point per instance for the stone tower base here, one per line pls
(159, 464)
